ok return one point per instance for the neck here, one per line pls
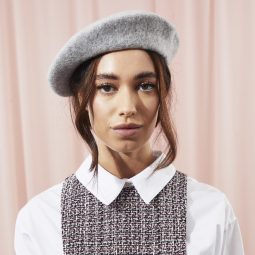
(125, 164)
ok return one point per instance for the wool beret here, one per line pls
(123, 30)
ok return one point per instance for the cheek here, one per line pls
(152, 107)
(98, 107)
(101, 114)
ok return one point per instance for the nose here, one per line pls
(127, 102)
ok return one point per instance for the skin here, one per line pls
(124, 101)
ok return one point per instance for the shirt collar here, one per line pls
(109, 186)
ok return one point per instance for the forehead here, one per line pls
(125, 62)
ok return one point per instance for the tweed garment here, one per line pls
(128, 225)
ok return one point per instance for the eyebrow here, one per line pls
(138, 76)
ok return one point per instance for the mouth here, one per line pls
(127, 132)
(127, 126)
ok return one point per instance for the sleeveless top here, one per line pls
(128, 225)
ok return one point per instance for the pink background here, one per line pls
(214, 108)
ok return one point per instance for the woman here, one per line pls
(125, 198)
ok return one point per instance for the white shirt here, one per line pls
(212, 227)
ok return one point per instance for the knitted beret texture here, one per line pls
(123, 30)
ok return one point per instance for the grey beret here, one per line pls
(122, 30)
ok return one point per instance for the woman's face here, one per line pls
(122, 97)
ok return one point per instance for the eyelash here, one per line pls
(109, 85)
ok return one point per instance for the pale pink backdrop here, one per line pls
(214, 109)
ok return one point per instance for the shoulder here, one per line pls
(207, 201)
(47, 198)
(197, 188)
(211, 218)
(38, 224)
(43, 205)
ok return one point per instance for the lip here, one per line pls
(127, 126)
(127, 132)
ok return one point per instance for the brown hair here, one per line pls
(83, 89)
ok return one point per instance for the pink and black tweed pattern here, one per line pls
(128, 225)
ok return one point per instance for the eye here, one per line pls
(105, 88)
(147, 85)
